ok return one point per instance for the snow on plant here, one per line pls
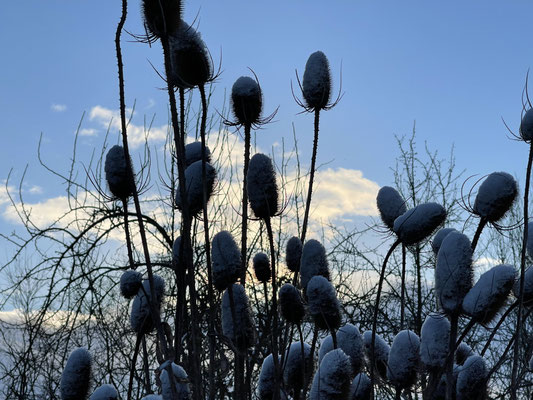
(296, 373)
(390, 205)
(291, 304)
(76, 377)
(316, 84)
(181, 382)
(528, 287)
(495, 196)
(130, 282)
(194, 186)
(266, 384)
(105, 392)
(471, 380)
(434, 339)
(246, 101)
(141, 319)
(193, 153)
(226, 257)
(350, 341)
(241, 329)
(381, 352)
(333, 378)
(261, 186)
(261, 265)
(462, 352)
(419, 222)
(293, 254)
(313, 262)
(118, 176)
(360, 389)
(323, 305)
(404, 357)
(439, 237)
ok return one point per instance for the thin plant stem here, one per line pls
(451, 353)
(497, 327)
(481, 225)
(127, 232)
(302, 349)
(313, 346)
(239, 360)
(244, 224)
(148, 385)
(402, 301)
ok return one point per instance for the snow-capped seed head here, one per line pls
(316, 85)
(291, 304)
(176, 252)
(404, 357)
(313, 262)
(419, 222)
(350, 341)
(390, 205)
(495, 196)
(140, 318)
(471, 381)
(261, 186)
(322, 303)
(361, 387)
(161, 17)
(130, 282)
(434, 340)
(333, 378)
(262, 267)
(489, 293)
(526, 126)
(190, 59)
(181, 382)
(246, 100)
(266, 384)
(294, 369)
(193, 153)
(293, 253)
(76, 377)
(439, 237)
(226, 259)
(105, 392)
(118, 176)
(194, 186)
(528, 287)
(462, 352)
(454, 272)
(241, 332)
(381, 352)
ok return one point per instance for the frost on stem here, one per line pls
(453, 274)
(495, 196)
(120, 182)
(140, 317)
(462, 352)
(266, 384)
(291, 304)
(240, 331)
(226, 259)
(246, 101)
(526, 126)
(262, 269)
(161, 17)
(333, 378)
(419, 222)
(350, 341)
(130, 282)
(361, 388)
(528, 287)
(390, 205)
(313, 262)
(261, 186)
(381, 352)
(471, 380)
(404, 359)
(316, 85)
(439, 237)
(181, 383)
(489, 293)
(323, 304)
(293, 253)
(193, 153)
(194, 186)
(105, 392)
(293, 372)
(76, 377)
(434, 340)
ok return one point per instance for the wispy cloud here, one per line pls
(58, 107)
(35, 189)
(88, 132)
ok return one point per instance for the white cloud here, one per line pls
(58, 107)
(35, 189)
(88, 132)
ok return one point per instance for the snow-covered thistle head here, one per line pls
(291, 304)
(350, 341)
(528, 287)
(226, 259)
(313, 262)
(454, 272)
(489, 293)
(194, 186)
(140, 318)
(193, 153)
(323, 304)
(471, 381)
(381, 352)
(130, 282)
(434, 340)
(439, 237)
(161, 17)
(105, 392)
(316, 84)
(267, 377)
(390, 205)
(262, 267)
(181, 382)
(361, 387)
(293, 253)
(404, 357)
(526, 126)
(261, 186)
(76, 377)
(495, 196)
(419, 222)
(246, 101)
(118, 176)
(240, 331)
(462, 352)
(333, 378)
(293, 372)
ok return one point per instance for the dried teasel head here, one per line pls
(226, 257)
(361, 387)
(181, 382)
(390, 205)
(333, 378)
(381, 352)
(130, 282)
(141, 317)
(262, 187)
(495, 196)
(404, 358)
(434, 340)
(293, 253)
(76, 377)
(419, 222)
(350, 341)
(194, 186)
(323, 304)
(291, 304)
(526, 126)
(246, 101)
(313, 262)
(439, 237)
(241, 331)
(292, 374)
(105, 392)
(193, 153)
(316, 85)
(262, 267)
(119, 177)
(472, 379)
(161, 17)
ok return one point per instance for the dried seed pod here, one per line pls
(361, 388)
(419, 222)
(105, 392)
(381, 352)
(333, 378)
(316, 85)
(404, 357)
(226, 259)
(266, 384)
(193, 153)
(240, 331)
(117, 174)
(262, 267)
(181, 383)
(291, 304)
(323, 304)
(293, 372)
(261, 186)
(141, 318)
(194, 186)
(434, 341)
(439, 237)
(76, 376)
(161, 17)
(130, 282)
(495, 196)
(390, 205)
(462, 352)
(526, 126)
(293, 253)
(528, 287)
(350, 341)
(246, 100)
(471, 380)
(313, 262)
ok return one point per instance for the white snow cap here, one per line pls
(390, 205)
(528, 287)
(120, 183)
(453, 274)
(526, 125)
(262, 187)
(241, 332)
(471, 383)
(313, 262)
(434, 340)
(419, 222)
(76, 377)
(194, 186)
(246, 100)
(293, 253)
(381, 352)
(265, 386)
(350, 341)
(130, 282)
(193, 153)
(323, 304)
(404, 358)
(293, 372)
(489, 293)
(140, 317)
(316, 85)
(361, 387)
(105, 392)
(181, 381)
(495, 196)
(333, 378)
(439, 237)
(226, 258)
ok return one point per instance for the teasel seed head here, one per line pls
(316, 85)
(194, 186)
(495, 196)
(526, 126)
(419, 222)
(161, 17)
(141, 317)
(292, 374)
(181, 382)
(261, 186)
(117, 174)
(293, 253)
(381, 353)
(105, 392)
(241, 331)
(361, 387)
(472, 379)
(404, 357)
(439, 237)
(262, 269)
(130, 282)
(434, 340)
(193, 153)
(323, 304)
(333, 378)
(246, 101)
(291, 304)
(226, 258)
(390, 205)
(350, 341)
(313, 262)
(76, 377)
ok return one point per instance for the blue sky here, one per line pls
(454, 67)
